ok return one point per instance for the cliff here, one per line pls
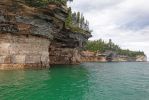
(138, 58)
(110, 56)
(89, 56)
(112, 52)
(32, 37)
(141, 58)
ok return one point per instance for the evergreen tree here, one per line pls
(101, 46)
(68, 21)
(82, 21)
(78, 19)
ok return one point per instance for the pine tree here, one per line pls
(78, 19)
(69, 18)
(82, 21)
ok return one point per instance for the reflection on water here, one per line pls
(58, 83)
(88, 81)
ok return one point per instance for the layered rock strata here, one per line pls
(20, 51)
(36, 37)
(88, 56)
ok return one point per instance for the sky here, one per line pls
(126, 22)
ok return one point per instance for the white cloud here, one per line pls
(124, 21)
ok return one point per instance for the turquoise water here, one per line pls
(88, 81)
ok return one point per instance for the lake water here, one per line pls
(88, 81)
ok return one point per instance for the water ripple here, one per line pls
(88, 81)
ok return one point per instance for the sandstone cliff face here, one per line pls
(19, 52)
(122, 58)
(141, 58)
(88, 56)
(24, 36)
(36, 37)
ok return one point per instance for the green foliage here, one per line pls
(100, 45)
(77, 29)
(78, 17)
(68, 21)
(130, 53)
(76, 22)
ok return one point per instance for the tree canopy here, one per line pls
(102, 46)
(77, 22)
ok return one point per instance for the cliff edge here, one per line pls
(32, 37)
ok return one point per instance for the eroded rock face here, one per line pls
(69, 39)
(26, 34)
(141, 58)
(64, 55)
(17, 17)
(19, 51)
(88, 56)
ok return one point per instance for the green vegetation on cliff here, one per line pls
(76, 22)
(102, 46)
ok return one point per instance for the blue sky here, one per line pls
(126, 22)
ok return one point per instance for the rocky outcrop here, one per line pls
(141, 58)
(88, 56)
(18, 18)
(68, 39)
(64, 55)
(109, 56)
(66, 46)
(112, 56)
(125, 58)
(36, 37)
